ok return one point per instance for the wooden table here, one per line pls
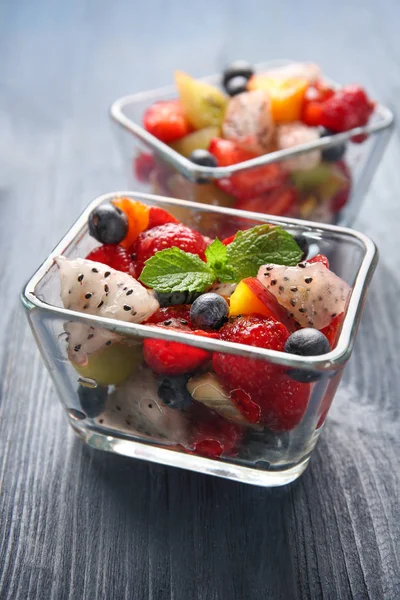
(81, 524)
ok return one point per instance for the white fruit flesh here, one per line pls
(248, 121)
(308, 71)
(97, 289)
(291, 135)
(223, 289)
(136, 408)
(208, 390)
(313, 294)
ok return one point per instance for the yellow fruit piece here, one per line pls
(308, 207)
(287, 96)
(111, 365)
(204, 105)
(199, 139)
(138, 218)
(244, 302)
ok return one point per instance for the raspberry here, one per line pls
(167, 236)
(260, 389)
(114, 256)
(349, 107)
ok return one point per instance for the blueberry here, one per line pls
(333, 153)
(238, 67)
(173, 392)
(92, 400)
(108, 224)
(306, 342)
(209, 311)
(236, 85)
(174, 298)
(203, 158)
(302, 242)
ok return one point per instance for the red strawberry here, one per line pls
(167, 236)
(229, 240)
(212, 435)
(332, 331)
(253, 182)
(312, 112)
(315, 96)
(275, 202)
(166, 121)
(246, 184)
(179, 312)
(349, 107)
(228, 153)
(115, 257)
(319, 258)
(175, 358)
(281, 401)
(143, 165)
(159, 216)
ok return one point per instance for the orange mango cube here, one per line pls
(286, 95)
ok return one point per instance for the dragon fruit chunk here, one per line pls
(311, 293)
(94, 288)
(248, 121)
(135, 407)
(291, 135)
(97, 289)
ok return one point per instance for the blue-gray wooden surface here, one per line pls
(84, 525)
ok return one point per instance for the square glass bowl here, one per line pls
(209, 436)
(332, 193)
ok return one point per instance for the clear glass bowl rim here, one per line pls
(327, 362)
(192, 171)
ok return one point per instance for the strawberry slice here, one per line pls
(319, 258)
(228, 153)
(159, 216)
(215, 436)
(114, 256)
(267, 394)
(271, 303)
(332, 331)
(276, 202)
(253, 182)
(174, 358)
(166, 121)
(143, 165)
(246, 184)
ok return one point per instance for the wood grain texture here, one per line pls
(80, 524)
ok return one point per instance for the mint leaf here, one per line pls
(260, 245)
(216, 254)
(216, 257)
(173, 270)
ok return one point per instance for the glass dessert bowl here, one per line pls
(286, 163)
(169, 345)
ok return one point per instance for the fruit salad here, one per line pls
(261, 288)
(255, 114)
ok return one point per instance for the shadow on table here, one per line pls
(204, 532)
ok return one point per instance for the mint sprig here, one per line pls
(173, 270)
(260, 245)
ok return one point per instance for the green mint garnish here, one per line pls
(260, 245)
(173, 270)
(216, 255)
